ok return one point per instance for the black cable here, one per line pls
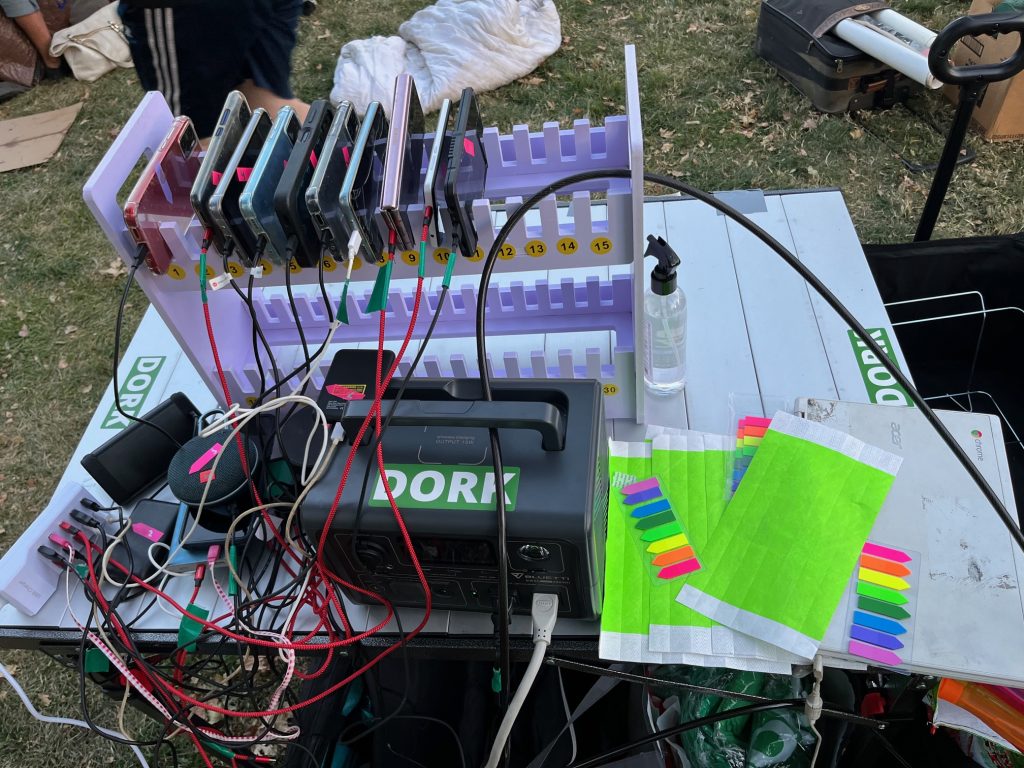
(323, 292)
(295, 309)
(646, 680)
(668, 733)
(666, 181)
(387, 420)
(117, 351)
(452, 731)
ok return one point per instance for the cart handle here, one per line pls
(982, 24)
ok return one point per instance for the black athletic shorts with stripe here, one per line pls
(196, 51)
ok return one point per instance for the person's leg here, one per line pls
(188, 52)
(261, 97)
(269, 85)
(28, 18)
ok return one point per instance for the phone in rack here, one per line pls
(325, 186)
(403, 161)
(224, 208)
(466, 174)
(234, 117)
(162, 193)
(436, 166)
(257, 199)
(290, 195)
(360, 192)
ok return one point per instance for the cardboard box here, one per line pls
(1000, 115)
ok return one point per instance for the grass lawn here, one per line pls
(713, 114)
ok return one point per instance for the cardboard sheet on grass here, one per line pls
(777, 563)
(34, 139)
(641, 620)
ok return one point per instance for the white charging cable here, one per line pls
(5, 673)
(544, 613)
(814, 704)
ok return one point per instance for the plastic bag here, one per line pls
(772, 738)
(448, 46)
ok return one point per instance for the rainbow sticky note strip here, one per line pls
(667, 549)
(882, 606)
(749, 433)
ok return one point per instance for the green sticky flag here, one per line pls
(189, 629)
(379, 297)
(627, 585)
(778, 562)
(95, 661)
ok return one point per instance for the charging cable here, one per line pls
(813, 707)
(544, 614)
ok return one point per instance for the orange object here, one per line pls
(884, 566)
(987, 707)
(675, 556)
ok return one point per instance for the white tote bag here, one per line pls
(94, 46)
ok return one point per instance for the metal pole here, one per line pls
(969, 97)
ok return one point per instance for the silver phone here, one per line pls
(403, 161)
(436, 170)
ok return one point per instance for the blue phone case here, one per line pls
(257, 200)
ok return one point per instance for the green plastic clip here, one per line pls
(232, 584)
(496, 680)
(343, 305)
(379, 297)
(202, 275)
(189, 628)
(95, 661)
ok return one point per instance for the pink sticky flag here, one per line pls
(679, 569)
(885, 552)
(216, 176)
(205, 459)
(243, 174)
(642, 485)
(758, 421)
(874, 653)
(467, 145)
(205, 476)
(312, 158)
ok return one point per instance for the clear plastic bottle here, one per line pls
(665, 315)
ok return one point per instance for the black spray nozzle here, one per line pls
(663, 276)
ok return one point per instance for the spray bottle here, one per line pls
(665, 310)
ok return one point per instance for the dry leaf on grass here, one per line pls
(115, 269)
(23, 332)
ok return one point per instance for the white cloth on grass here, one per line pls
(448, 46)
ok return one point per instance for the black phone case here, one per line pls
(461, 220)
(138, 456)
(149, 523)
(237, 230)
(290, 195)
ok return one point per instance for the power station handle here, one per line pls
(541, 417)
(982, 24)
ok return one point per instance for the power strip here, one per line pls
(27, 580)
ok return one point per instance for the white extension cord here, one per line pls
(544, 613)
(5, 673)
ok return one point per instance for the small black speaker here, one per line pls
(190, 473)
